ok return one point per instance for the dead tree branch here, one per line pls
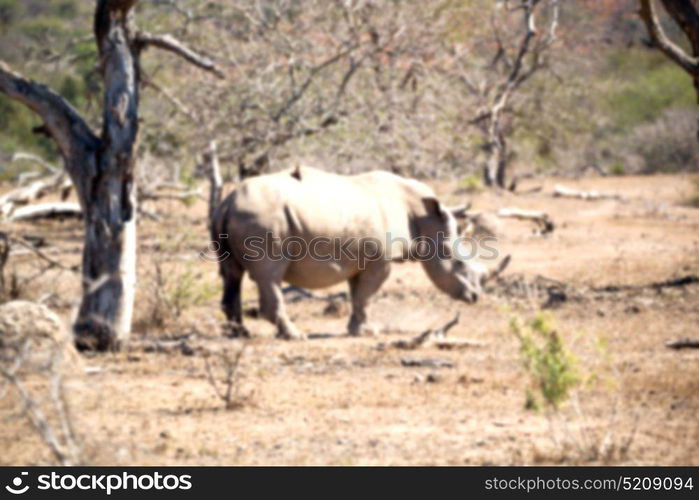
(683, 344)
(544, 223)
(433, 337)
(566, 192)
(215, 182)
(171, 44)
(685, 14)
(177, 103)
(47, 211)
(39, 253)
(229, 364)
(20, 156)
(53, 423)
(33, 191)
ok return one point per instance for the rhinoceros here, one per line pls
(314, 229)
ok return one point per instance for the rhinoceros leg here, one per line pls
(272, 309)
(362, 287)
(268, 275)
(231, 302)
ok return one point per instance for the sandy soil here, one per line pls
(340, 400)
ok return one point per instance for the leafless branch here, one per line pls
(649, 16)
(172, 44)
(39, 253)
(20, 156)
(61, 120)
(171, 98)
(62, 441)
(230, 363)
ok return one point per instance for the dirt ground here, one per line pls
(339, 400)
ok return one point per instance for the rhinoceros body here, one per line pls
(314, 229)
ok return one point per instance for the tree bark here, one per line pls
(496, 165)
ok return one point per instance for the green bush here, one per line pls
(471, 183)
(552, 368)
(617, 168)
(643, 86)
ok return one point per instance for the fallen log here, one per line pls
(47, 210)
(434, 337)
(427, 362)
(487, 223)
(566, 192)
(690, 279)
(453, 344)
(542, 219)
(32, 191)
(683, 344)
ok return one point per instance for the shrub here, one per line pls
(617, 168)
(546, 359)
(471, 183)
(647, 86)
(223, 373)
(669, 144)
(171, 294)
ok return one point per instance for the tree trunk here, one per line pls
(109, 267)
(109, 253)
(495, 170)
(215, 182)
(102, 168)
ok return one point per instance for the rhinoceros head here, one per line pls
(461, 278)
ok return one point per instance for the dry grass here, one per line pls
(339, 400)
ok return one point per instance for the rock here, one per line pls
(35, 333)
(632, 309)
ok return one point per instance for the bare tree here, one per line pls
(515, 61)
(686, 16)
(291, 66)
(101, 166)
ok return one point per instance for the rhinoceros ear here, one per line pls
(433, 207)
